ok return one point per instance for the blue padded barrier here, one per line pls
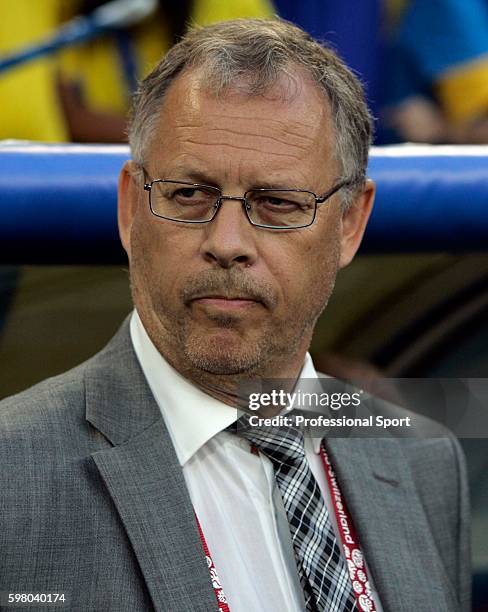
(58, 202)
(429, 198)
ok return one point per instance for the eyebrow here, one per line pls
(201, 177)
(192, 175)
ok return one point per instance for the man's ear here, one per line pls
(128, 199)
(354, 221)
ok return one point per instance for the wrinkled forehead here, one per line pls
(292, 117)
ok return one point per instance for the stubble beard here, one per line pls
(202, 354)
(213, 353)
(223, 349)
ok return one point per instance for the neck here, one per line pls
(234, 389)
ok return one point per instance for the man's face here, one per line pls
(226, 297)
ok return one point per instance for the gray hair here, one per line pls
(257, 52)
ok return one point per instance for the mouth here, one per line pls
(222, 302)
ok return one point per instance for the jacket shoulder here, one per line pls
(58, 398)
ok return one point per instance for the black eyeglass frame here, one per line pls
(220, 197)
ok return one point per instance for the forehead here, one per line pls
(288, 128)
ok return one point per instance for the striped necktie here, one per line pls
(322, 568)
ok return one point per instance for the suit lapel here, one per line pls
(147, 486)
(392, 527)
(144, 479)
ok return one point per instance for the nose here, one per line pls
(229, 237)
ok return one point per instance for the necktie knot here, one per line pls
(281, 444)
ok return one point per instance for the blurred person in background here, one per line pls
(352, 28)
(30, 108)
(435, 60)
(436, 88)
(82, 93)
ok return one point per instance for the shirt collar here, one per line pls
(191, 416)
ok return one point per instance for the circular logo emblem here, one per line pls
(366, 603)
(361, 575)
(357, 557)
(357, 586)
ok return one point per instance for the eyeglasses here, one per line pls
(277, 209)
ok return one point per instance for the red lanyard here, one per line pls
(217, 586)
(350, 544)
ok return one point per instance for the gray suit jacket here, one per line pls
(93, 502)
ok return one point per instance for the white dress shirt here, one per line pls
(233, 491)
